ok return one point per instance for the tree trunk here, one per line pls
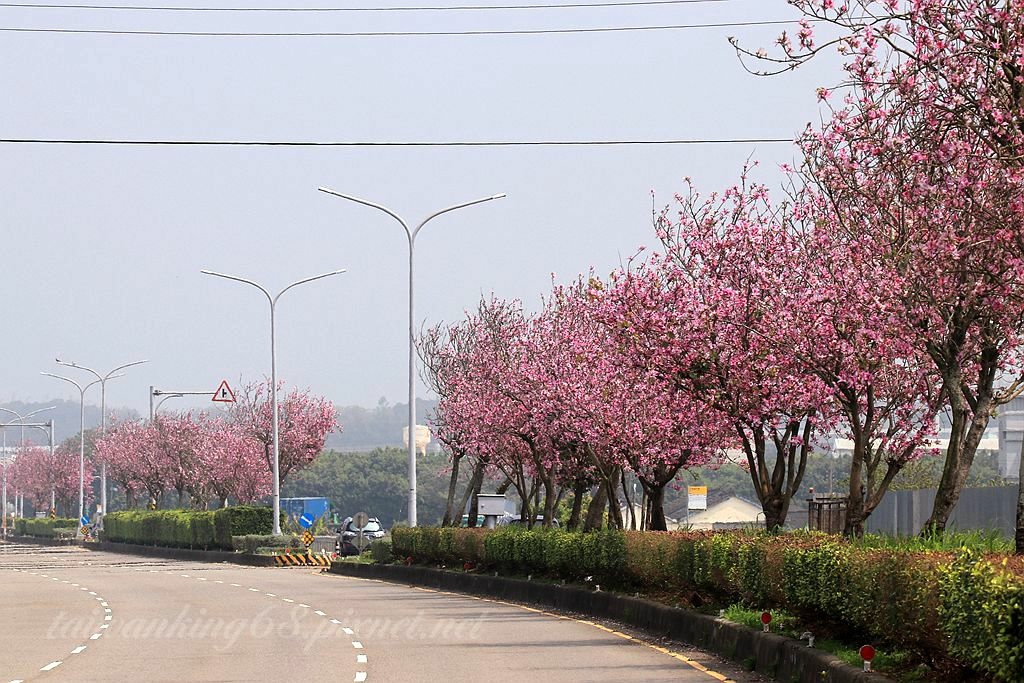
(595, 511)
(656, 517)
(775, 509)
(453, 483)
(959, 458)
(472, 488)
(629, 503)
(614, 513)
(550, 503)
(578, 491)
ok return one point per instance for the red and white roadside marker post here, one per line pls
(766, 619)
(867, 653)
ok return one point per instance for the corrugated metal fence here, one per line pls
(903, 513)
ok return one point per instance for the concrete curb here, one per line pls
(183, 553)
(775, 656)
(40, 540)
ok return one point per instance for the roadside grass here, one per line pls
(986, 541)
(898, 664)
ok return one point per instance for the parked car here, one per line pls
(371, 532)
(517, 520)
(345, 547)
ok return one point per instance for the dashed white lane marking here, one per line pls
(81, 648)
(18, 680)
(361, 658)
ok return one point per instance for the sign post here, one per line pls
(360, 519)
(696, 499)
(306, 521)
(766, 619)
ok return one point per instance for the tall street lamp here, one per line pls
(21, 418)
(102, 379)
(272, 299)
(411, 234)
(81, 439)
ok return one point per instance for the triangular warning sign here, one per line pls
(223, 393)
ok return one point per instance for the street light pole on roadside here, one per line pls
(81, 440)
(411, 234)
(103, 413)
(272, 299)
(21, 418)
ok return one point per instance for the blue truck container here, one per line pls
(296, 507)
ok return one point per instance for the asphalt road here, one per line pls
(77, 615)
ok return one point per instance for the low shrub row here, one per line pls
(187, 528)
(962, 606)
(251, 543)
(44, 528)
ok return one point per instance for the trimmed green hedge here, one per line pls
(961, 606)
(251, 543)
(187, 528)
(982, 610)
(45, 528)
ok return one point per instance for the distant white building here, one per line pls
(1010, 428)
(989, 444)
(731, 512)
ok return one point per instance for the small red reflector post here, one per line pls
(867, 653)
(766, 618)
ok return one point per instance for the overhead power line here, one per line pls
(372, 34)
(456, 8)
(422, 143)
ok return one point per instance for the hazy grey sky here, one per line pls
(104, 245)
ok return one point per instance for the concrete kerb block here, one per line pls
(182, 553)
